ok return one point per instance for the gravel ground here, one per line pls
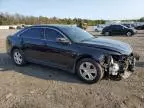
(35, 86)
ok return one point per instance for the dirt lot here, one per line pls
(35, 86)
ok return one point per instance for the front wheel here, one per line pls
(107, 33)
(89, 71)
(18, 57)
(129, 33)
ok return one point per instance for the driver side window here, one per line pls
(52, 35)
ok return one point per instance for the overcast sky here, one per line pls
(89, 9)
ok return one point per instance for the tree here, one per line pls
(9, 19)
(142, 19)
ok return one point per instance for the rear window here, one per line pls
(36, 33)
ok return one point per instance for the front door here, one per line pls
(117, 29)
(57, 53)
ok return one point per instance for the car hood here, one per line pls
(109, 44)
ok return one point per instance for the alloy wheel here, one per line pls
(17, 57)
(106, 33)
(88, 71)
(129, 33)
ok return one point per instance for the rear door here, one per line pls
(33, 43)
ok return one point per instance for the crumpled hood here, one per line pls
(110, 44)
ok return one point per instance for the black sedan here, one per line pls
(73, 49)
(118, 30)
(140, 27)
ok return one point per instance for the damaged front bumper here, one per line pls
(120, 65)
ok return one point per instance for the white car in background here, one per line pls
(99, 27)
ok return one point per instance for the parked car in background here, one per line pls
(82, 25)
(99, 27)
(129, 25)
(73, 49)
(140, 27)
(118, 30)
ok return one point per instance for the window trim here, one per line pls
(20, 34)
(63, 35)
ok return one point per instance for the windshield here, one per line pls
(76, 34)
(124, 26)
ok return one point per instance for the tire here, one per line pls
(129, 33)
(107, 33)
(18, 57)
(84, 73)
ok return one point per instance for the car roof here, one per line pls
(58, 26)
(55, 26)
(116, 25)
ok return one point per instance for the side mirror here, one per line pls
(63, 40)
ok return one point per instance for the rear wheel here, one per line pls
(18, 57)
(89, 71)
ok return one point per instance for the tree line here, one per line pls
(10, 19)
